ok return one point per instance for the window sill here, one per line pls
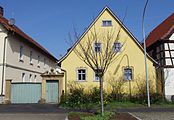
(96, 80)
(21, 60)
(81, 81)
(128, 80)
(107, 26)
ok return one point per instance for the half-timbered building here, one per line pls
(160, 46)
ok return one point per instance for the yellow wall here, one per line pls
(130, 49)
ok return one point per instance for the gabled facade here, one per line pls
(160, 46)
(22, 61)
(130, 60)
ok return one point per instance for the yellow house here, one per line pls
(128, 67)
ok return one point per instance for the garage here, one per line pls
(25, 92)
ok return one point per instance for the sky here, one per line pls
(50, 21)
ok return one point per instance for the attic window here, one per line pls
(106, 23)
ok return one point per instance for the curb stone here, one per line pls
(134, 116)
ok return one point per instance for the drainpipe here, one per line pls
(157, 66)
(3, 66)
(65, 82)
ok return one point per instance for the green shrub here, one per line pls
(106, 116)
(156, 98)
(77, 98)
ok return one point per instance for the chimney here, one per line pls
(1, 11)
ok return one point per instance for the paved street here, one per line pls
(32, 112)
(24, 116)
(53, 112)
(154, 115)
(31, 108)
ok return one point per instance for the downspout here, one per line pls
(157, 67)
(65, 82)
(3, 66)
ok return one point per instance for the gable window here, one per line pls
(106, 23)
(97, 47)
(23, 77)
(31, 54)
(21, 53)
(38, 61)
(81, 74)
(117, 46)
(128, 75)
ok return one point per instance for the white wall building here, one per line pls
(160, 46)
(21, 58)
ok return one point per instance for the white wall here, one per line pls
(171, 37)
(167, 54)
(169, 82)
(15, 67)
(3, 34)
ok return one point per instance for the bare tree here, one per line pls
(98, 51)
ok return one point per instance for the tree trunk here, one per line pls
(101, 95)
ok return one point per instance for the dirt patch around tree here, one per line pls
(122, 116)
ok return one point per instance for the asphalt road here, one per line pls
(32, 112)
(53, 112)
(154, 115)
(26, 116)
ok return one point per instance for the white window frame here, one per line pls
(23, 77)
(117, 47)
(35, 78)
(21, 49)
(128, 72)
(81, 80)
(96, 80)
(31, 57)
(44, 62)
(97, 47)
(30, 77)
(38, 61)
(106, 23)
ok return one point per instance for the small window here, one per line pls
(128, 74)
(106, 23)
(35, 78)
(96, 77)
(38, 61)
(97, 47)
(21, 53)
(117, 46)
(44, 63)
(23, 77)
(30, 78)
(81, 74)
(31, 55)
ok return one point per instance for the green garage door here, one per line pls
(25, 92)
(52, 91)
